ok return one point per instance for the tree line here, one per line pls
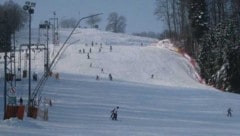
(209, 31)
(116, 23)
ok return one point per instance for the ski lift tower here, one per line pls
(29, 7)
(46, 26)
(55, 34)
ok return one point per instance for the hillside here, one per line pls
(172, 103)
(132, 59)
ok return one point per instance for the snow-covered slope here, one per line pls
(173, 103)
(132, 59)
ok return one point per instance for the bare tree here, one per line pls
(116, 23)
(174, 13)
(183, 18)
(163, 11)
(92, 21)
(68, 23)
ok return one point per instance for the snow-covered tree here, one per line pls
(219, 58)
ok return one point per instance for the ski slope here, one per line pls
(173, 103)
(128, 60)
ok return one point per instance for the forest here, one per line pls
(209, 31)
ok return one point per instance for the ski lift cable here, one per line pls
(44, 78)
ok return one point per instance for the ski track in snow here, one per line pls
(173, 103)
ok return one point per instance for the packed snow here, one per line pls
(155, 87)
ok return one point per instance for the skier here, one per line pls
(21, 101)
(114, 113)
(110, 48)
(97, 77)
(92, 43)
(110, 77)
(57, 76)
(88, 56)
(34, 76)
(229, 112)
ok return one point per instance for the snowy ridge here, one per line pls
(87, 36)
(173, 103)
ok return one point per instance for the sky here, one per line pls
(138, 13)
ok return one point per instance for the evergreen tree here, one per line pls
(219, 58)
(198, 17)
(12, 18)
(206, 57)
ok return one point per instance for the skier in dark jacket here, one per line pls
(110, 77)
(114, 113)
(229, 112)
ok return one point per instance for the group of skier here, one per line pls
(88, 57)
(114, 113)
